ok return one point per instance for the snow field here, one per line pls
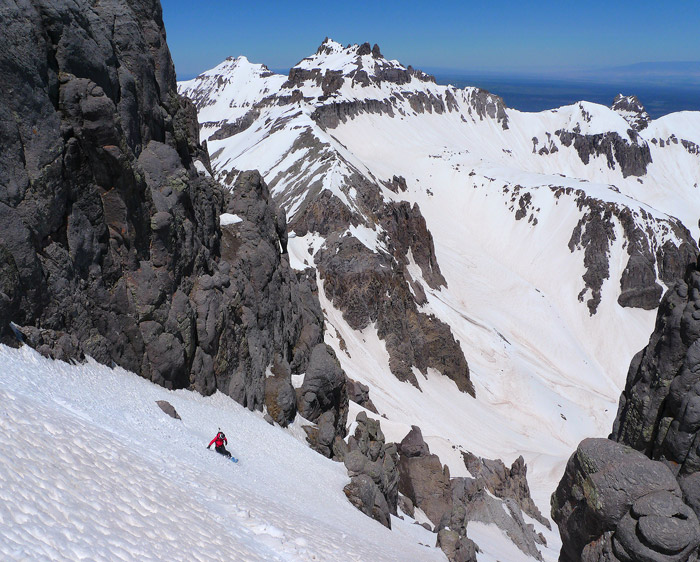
(92, 469)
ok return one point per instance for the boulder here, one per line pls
(369, 455)
(321, 437)
(457, 548)
(365, 495)
(359, 393)
(612, 497)
(168, 408)
(413, 445)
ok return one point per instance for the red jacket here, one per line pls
(218, 441)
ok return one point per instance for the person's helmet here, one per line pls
(222, 434)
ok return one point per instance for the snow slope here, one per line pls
(92, 469)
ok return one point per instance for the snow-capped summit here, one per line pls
(230, 87)
(361, 64)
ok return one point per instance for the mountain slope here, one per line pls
(533, 239)
(88, 478)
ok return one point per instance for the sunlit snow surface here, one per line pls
(91, 469)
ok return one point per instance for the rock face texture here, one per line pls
(422, 477)
(615, 504)
(359, 393)
(637, 495)
(505, 483)
(112, 244)
(323, 399)
(371, 464)
(595, 233)
(659, 412)
(374, 285)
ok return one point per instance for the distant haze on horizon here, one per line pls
(546, 38)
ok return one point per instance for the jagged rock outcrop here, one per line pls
(472, 502)
(457, 548)
(111, 240)
(373, 284)
(632, 110)
(451, 503)
(632, 157)
(505, 483)
(369, 288)
(371, 464)
(595, 233)
(659, 412)
(485, 104)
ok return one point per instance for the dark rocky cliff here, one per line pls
(110, 237)
(636, 496)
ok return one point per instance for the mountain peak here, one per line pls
(361, 64)
(632, 110)
(329, 47)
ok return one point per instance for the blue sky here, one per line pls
(501, 35)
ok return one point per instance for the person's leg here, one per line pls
(222, 451)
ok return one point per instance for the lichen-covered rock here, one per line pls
(659, 411)
(280, 397)
(638, 497)
(613, 499)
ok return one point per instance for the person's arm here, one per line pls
(210, 444)
(226, 440)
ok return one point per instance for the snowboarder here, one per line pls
(218, 443)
